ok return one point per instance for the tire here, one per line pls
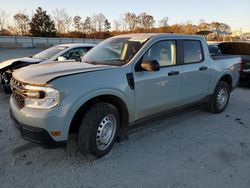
(219, 100)
(98, 130)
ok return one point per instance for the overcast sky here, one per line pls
(235, 13)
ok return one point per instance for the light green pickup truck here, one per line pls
(123, 80)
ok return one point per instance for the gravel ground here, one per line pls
(194, 149)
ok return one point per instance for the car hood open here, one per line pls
(8, 63)
(40, 74)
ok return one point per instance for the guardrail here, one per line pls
(40, 42)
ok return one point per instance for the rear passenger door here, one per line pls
(195, 71)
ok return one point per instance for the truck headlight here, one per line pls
(40, 97)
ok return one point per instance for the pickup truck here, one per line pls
(63, 52)
(122, 81)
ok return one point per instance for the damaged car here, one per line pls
(64, 52)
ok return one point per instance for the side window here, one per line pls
(75, 53)
(164, 52)
(192, 51)
(83, 51)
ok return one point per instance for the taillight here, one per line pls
(241, 65)
(231, 68)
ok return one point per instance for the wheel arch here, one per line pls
(108, 98)
(228, 79)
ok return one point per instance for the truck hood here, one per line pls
(7, 63)
(40, 74)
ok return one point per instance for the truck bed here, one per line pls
(225, 56)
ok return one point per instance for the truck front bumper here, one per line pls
(37, 125)
(35, 134)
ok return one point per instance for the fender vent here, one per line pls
(130, 79)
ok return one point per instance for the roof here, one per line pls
(151, 35)
(78, 45)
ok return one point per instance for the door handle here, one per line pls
(172, 73)
(203, 68)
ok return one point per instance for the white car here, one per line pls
(64, 52)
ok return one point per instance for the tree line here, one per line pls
(61, 24)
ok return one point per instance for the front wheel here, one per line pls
(98, 130)
(219, 100)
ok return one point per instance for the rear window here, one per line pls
(192, 51)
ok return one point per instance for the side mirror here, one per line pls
(150, 65)
(61, 58)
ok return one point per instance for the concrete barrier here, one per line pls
(40, 42)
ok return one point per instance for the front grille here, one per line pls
(18, 92)
(19, 99)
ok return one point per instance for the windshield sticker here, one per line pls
(138, 39)
(124, 51)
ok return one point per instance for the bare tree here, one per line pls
(164, 22)
(146, 21)
(130, 20)
(215, 25)
(22, 23)
(62, 20)
(77, 23)
(224, 27)
(98, 21)
(87, 25)
(122, 22)
(68, 23)
(116, 25)
(203, 25)
(3, 20)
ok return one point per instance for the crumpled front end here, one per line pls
(5, 78)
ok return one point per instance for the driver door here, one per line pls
(157, 91)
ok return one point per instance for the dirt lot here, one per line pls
(195, 149)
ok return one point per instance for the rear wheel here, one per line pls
(98, 130)
(219, 100)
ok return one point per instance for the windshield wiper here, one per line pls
(110, 62)
(90, 62)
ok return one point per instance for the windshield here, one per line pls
(114, 51)
(50, 52)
